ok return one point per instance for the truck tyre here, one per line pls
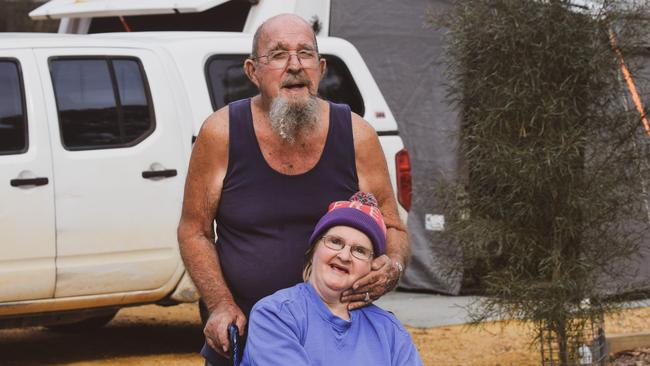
(84, 325)
(203, 312)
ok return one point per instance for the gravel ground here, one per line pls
(638, 357)
(154, 335)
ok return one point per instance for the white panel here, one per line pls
(96, 273)
(104, 8)
(116, 231)
(27, 242)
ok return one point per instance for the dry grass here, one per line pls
(500, 343)
(155, 335)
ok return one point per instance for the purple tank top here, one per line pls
(264, 217)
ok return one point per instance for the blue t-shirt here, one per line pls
(295, 327)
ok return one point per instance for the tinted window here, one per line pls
(102, 102)
(13, 123)
(339, 87)
(227, 82)
(133, 99)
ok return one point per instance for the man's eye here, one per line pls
(304, 54)
(280, 55)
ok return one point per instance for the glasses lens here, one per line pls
(357, 251)
(360, 252)
(308, 59)
(333, 242)
(279, 59)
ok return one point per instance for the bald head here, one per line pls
(283, 21)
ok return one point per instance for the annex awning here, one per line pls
(56, 9)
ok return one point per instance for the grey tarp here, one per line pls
(404, 53)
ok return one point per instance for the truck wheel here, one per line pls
(84, 325)
(203, 312)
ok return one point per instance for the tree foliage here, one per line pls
(555, 157)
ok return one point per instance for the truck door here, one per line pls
(120, 166)
(27, 241)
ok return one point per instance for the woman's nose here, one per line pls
(345, 253)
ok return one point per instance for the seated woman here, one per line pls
(307, 324)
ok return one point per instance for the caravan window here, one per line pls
(103, 102)
(13, 121)
(227, 82)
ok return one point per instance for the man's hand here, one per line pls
(216, 328)
(382, 278)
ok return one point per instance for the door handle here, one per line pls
(167, 173)
(29, 182)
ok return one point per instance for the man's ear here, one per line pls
(322, 65)
(249, 69)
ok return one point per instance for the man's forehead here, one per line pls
(286, 31)
(280, 45)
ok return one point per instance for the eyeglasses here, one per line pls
(336, 243)
(279, 59)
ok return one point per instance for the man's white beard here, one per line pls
(290, 117)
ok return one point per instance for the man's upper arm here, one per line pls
(372, 171)
(207, 169)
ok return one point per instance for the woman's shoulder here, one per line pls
(288, 297)
(382, 318)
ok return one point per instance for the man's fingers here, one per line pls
(366, 281)
(210, 343)
(355, 297)
(357, 305)
(241, 325)
(218, 349)
(214, 344)
(379, 262)
(222, 335)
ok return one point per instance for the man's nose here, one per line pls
(294, 62)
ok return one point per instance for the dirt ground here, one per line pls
(154, 335)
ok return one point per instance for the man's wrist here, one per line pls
(400, 268)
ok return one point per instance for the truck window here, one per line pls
(227, 82)
(103, 102)
(13, 120)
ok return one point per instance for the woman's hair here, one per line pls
(309, 256)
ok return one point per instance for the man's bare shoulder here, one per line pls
(362, 130)
(215, 127)
(210, 152)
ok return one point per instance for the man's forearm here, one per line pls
(397, 246)
(202, 262)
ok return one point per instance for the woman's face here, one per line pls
(334, 271)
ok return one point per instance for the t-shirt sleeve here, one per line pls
(405, 353)
(273, 337)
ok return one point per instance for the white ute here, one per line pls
(95, 138)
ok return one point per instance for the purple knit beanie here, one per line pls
(361, 213)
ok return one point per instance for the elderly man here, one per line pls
(266, 169)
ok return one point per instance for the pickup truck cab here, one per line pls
(95, 137)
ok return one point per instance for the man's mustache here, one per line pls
(294, 79)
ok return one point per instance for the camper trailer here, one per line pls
(101, 16)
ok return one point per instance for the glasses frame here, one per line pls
(291, 53)
(352, 247)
